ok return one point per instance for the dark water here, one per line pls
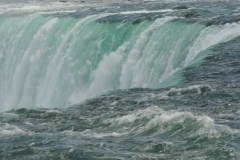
(129, 80)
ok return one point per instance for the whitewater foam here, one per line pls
(7, 129)
(211, 36)
(62, 62)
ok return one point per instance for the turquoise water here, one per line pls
(129, 80)
(42, 56)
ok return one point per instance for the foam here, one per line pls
(199, 89)
(9, 130)
(145, 11)
(6, 117)
(160, 121)
(210, 37)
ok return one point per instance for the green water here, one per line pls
(124, 80)
(56, 62)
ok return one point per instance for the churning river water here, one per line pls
(132, 79)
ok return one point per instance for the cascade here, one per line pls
(51, 62)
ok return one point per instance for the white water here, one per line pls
(56, 62)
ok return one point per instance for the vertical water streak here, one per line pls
(22, 70)
(49, 88)
(133, 57)
(210, 37)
